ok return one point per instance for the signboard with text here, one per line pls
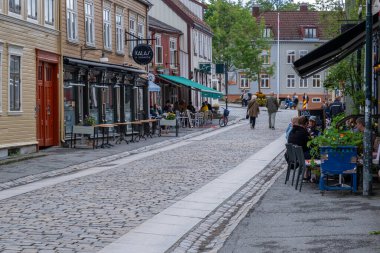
(142, 54)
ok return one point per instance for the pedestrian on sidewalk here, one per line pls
(253, 111)
(272, 106)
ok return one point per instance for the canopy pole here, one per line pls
(278, 56)
(368, 103)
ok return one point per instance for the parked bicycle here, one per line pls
(223, 121)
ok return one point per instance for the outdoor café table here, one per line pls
(122, 129)
(140, 135)
(149, 130)
(105, 127)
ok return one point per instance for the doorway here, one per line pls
(47, 104)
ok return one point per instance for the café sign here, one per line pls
(142, 54)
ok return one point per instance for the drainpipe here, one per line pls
(368, 104)
(60, 79)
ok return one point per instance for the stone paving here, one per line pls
(86, 214)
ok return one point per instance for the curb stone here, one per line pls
(220, 223)
(89, 164)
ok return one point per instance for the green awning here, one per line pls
(206, 91)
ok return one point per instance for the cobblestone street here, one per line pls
(87, 213)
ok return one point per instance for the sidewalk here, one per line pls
(57, 161)
(286, 220)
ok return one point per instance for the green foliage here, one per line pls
(334, 137)
(271, 5)
(261, 101)
(170, 116)
(374, 233)
(238, 39)
(89, 121)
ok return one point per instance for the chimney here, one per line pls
(303, 6)
(256, 10)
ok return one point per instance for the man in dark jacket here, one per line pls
(336, 107)
(299, 136)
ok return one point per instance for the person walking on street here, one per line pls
(272, 106)
(253, 111)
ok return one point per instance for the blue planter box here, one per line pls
(338, 161)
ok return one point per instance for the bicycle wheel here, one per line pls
(222, 122)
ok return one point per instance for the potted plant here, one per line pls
(169, 120)
(89, 121)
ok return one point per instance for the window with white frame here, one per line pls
(89, 22)
(303, 82)
(291, 81)
(200, 41)
(310, 33)
(119, 31)
(173, 52)
(49, 12)
(265, 57)
(267, 32)
(107, 34)
(291, 56)
(140, 28)
(1, 71)
(32, 9)
(244, 82)
(132, 31)
(264, 81)
(195, 43)
(14, 88)
(158, 49)
(316, 100)
(72, 20)
(316, 81)
(15, 6)
(303, 53)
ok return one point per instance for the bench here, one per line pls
(82, 130)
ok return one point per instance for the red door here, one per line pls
(46, 109)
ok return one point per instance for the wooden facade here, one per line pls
(100, 78)
(23, 36)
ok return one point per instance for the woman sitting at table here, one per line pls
(155, 111)
(204, 107)
(299, 136)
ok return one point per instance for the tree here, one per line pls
(275, 5)
(238, 39)
(346, 75)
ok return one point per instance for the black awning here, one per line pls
(334, 50)
(73, 61)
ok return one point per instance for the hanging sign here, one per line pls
(142, 54)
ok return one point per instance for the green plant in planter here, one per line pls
(334, 137)
(89, 121)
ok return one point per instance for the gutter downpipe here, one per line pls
(278, 56)
(368, 104)
(60, 79)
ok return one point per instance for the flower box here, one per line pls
(166, 122)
